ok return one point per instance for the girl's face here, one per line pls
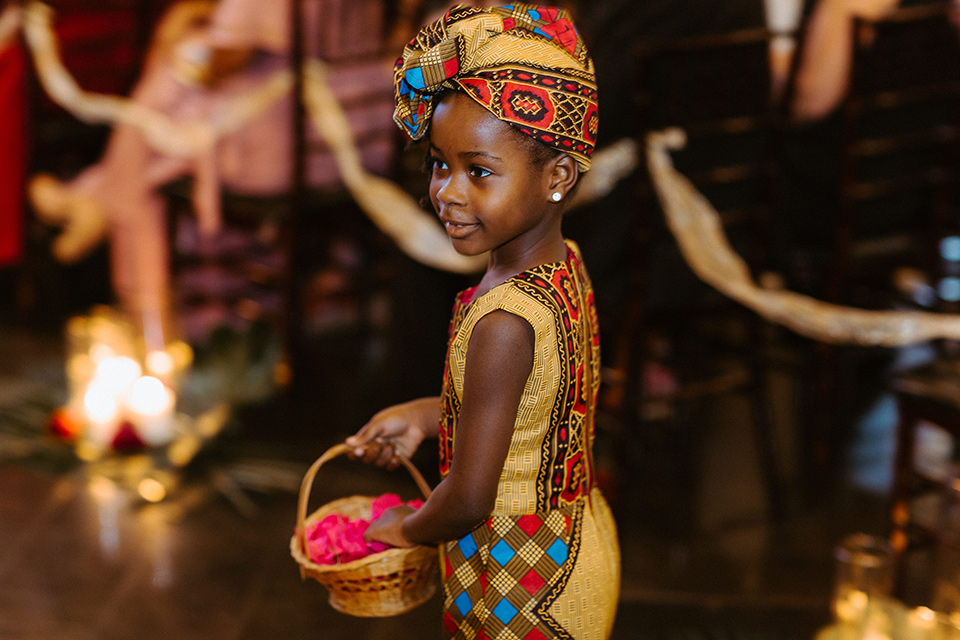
(483, 185)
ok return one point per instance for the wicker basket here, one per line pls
(382, 584)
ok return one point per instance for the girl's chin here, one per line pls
(466, 248)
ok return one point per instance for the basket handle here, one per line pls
(330, 454)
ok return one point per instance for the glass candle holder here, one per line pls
(946, 580)
(864, 575)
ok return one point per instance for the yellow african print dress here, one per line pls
(546, 563)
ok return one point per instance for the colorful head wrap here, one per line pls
(526, 64)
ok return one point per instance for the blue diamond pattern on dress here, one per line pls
(502, 553)
(505, 611)
(468, 546)
(463, 604)
(558, 551)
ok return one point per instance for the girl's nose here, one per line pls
(450, 191)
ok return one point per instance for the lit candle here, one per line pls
(921, 623)
(151, 404)
(851, 606)
(118, 373)
(101, 410)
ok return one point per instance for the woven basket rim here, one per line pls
(353, 565)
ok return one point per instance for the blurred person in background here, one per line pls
(204, 56)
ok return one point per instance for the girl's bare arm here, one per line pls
(499, 361)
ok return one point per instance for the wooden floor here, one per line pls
(83, 558)
(81, 561)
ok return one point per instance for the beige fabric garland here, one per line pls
(690, 217)
(696, 226)
(167, 136)
(395, 212)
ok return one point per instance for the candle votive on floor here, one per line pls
(864, 573)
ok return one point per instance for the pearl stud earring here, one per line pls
(557, 196)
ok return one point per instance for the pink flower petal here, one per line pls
(383, 503)
(338, 539)
(318, 551)
(375, 546)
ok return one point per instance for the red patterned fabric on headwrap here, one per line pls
(526, 64)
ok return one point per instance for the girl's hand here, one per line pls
(397, 429)
(388, 528)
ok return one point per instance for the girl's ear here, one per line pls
(563, 174)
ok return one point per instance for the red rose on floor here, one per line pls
(127, 438)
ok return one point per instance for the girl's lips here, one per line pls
(458, 229)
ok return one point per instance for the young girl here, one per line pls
(507, 100)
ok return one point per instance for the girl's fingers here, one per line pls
(369, 445)
(380, 451)
(361, 440)
(372, 451)
(387, 457)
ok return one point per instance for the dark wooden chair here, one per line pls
(897, 195)
(901, 124)
(927, 397)
(295, 233)
(717, 88)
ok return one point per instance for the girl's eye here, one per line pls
(432, 163)
(479, 172)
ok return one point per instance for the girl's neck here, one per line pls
(506, 262)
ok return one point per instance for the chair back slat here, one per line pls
(899, 149)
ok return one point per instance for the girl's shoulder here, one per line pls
(547, 290)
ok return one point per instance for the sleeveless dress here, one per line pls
(546, 563)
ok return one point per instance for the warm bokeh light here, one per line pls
(118, 373)
(100, 402)
(149, 396)
(100, 352)
(850, 607)
(923, 618)
(80, 367)
(160, 363)
(102, 488)
(151, 490)
(182, 354)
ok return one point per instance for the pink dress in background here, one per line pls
(254, 160)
